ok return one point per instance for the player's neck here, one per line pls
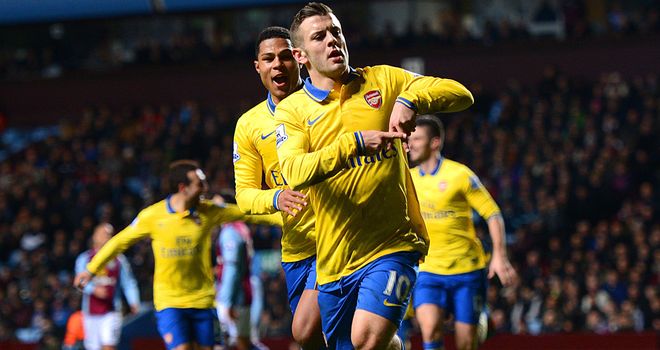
(430, 164)
(325, 82)
(178, 203)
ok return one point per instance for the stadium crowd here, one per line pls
(574, 168)
(50, 51)
(573, 165)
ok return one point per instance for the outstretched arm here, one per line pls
(115, 246)
(230, 212)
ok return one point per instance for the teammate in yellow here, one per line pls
(369, 231)
(452, 279)
(180, 228)
(255, 157)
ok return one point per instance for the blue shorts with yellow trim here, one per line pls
(462, 294)
(381, 287)
(299, 275)
(179, 326)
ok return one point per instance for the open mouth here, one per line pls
(280, 80)
(336, 56)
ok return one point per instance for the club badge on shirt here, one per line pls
(374, 99)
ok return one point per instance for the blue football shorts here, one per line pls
(463, 294)
(381, 287)
(178, 326)
(299, 275)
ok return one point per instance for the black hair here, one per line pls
(178, 173)
(433, 125)
(270, 33)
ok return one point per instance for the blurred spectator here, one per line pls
(75, 334)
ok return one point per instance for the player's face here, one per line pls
(102, 234)
(323, 46)
(279, 71)
(419, 145)
(197, 186)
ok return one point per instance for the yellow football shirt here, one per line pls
(365, 206)
(181, 243)
(255, 159)
(447, 196)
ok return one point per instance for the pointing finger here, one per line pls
(394, 135)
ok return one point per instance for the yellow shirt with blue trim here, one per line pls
(447, 196)
(365, 206)
(255, 161)
(181, 243)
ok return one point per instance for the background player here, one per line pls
(452, 278)
(255, 157)
(180, 229)
(234, 294)
(370, 234)
(101, 301)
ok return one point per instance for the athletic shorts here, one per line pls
(179, 326)
(463, 294)
(101, 330)
(300, 275)
(381, 287)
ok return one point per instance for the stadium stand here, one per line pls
(52, 50)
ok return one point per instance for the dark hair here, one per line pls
(269, 33)
(433, 125)
(178, 173)
(310, 10)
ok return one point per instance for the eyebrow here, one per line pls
(317, 32)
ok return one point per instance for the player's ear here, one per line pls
(256, 66)
(436, 142)
(299, 55)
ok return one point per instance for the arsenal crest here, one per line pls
(442, 186)
(373, 98)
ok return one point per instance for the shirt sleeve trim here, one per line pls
(406, 103)
(275, 198)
